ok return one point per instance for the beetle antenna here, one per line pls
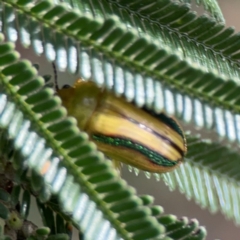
(55, 76)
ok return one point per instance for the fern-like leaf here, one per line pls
(84, 183)
(159, 55)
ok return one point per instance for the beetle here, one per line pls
(138, 137)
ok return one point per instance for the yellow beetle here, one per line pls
(123, 132)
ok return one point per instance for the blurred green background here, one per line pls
(173, 202)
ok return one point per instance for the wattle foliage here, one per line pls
(159, 55)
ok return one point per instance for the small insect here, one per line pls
(123, 132)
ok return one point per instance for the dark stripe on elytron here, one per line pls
(165, 139)
(151, 155)
(178, 149)
(167, 120)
